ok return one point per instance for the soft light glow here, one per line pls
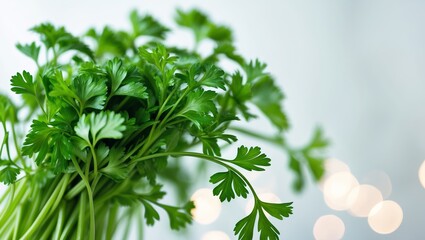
(207, 206)
(215, 235)
(266, 197)
(332, 166)
(337, 189)
(365, 198)
(329, 227)
(380, 180)
(385, 217)
(422, 174)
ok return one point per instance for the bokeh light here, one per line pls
(337, 189)
(422, 174)
(365, 198)
(215, 235)
(385, 217)
(329, 227)
(332, 166)
(380, 180)
(207, 206)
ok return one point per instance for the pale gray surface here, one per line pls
(355, 67)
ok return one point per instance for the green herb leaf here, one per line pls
(267, 97)
(52, 37)
(147, 26)
(90, 92)
(312, 153)
(116, 168)
(31, 50)
(251, 159)
(45, 138)
(23, 83)
(229, 186)
(103, 125)
(8, 174)
(8, 110)
(133, 89)
(245, 227)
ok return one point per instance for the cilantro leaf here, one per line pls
(267, 230)
(296, 167)
(23, 83)
(251, 159)
(30, 50)
(241, 94)
(195, 20)
(45, 138)
(255, 70)
(61, 152)
(132, 89)
(229, 50)
(179, 216)
(220, 33)
(8, 110)
(312, 153)
(151, 215)
(267, 97)
(116, 73)
(245, 227)
(116, 168)
(198, 105)
(312, 156)
(97, 126)
(229, 185)
(90, 92)
(110, 41)
(8, 174)
(37, 140)
(277, 210)
(52, 37)
(203, 75)
(202, 27)
(147, 26)
(200, 101)
(210, 141)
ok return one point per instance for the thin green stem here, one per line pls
(275, 140)
(81, 216)
(54, 199)
(90, 195)
(110, 229)
(17, 223)
(95, 171)
(15, 141)
(60, 223)
(70, 222)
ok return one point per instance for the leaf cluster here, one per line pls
(106, 121)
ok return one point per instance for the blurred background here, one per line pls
(356, 68)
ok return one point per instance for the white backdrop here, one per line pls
(354, 67)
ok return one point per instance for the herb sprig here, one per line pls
(106, 114)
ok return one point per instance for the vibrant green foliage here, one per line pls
(105, 123)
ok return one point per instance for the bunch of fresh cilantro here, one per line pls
(85, 151)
